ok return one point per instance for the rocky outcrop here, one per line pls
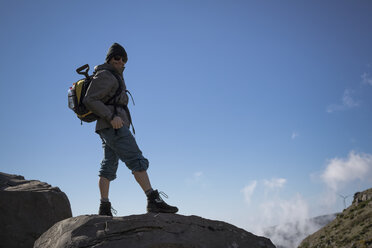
(28, 209)
(148, 231)
(364, 196)
(351, 229)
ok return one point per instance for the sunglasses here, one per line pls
(117, 58)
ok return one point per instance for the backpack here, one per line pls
(77, 92)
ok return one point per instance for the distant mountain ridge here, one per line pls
(352, 228)
(289, 235)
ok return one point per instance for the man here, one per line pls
(109, 102)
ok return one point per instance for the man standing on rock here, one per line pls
(106, 97)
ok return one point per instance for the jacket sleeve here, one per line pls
(99, 90)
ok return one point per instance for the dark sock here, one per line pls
(105, 200)
(148, 192)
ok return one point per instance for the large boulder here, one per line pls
(28, 209)
(148, 231)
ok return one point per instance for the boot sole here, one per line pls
(156, 210)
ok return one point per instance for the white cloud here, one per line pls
(290, 218)
(366, 78)
(347, 103)
(342, 171)
(347, 100)
(285, 211)
(198, 175)
(197, 179)
(294, 135)
(248, 191)
(275, 183)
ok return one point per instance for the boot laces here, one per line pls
(163, 194)
(114, 211)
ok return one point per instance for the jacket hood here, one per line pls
(104, 66)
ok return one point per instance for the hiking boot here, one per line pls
(155, 204)
(105, 209)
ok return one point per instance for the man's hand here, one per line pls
(117, 122)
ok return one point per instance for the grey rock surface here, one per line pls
(148, 231)
(28, 208)
(362, 196)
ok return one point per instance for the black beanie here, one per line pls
(114, 50)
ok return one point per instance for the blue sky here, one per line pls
(249, 111)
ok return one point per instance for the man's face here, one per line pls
(118, 63)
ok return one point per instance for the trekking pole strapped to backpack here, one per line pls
(85, 73)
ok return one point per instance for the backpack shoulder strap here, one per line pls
(118, 91)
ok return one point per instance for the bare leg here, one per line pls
(142, 179)
(104, 185)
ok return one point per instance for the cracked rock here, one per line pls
(147, 231)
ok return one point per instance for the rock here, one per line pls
(28, 209)
(148, 231)
(362, 196)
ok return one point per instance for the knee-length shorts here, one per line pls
(120, 145)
